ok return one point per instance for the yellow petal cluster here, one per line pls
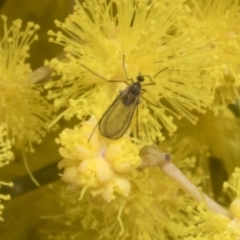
(155, 208)
(98, 165)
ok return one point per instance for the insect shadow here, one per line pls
(117, 118)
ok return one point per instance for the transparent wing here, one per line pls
(116, 120)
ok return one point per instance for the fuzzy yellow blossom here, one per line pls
(218, 22)
(211, 226)
(96, 164)
(216, 226)
(154, 41)
(233, 186)
(107, 41)
(154, 209)
(213, 136)
(22, 108)
(155, 206)
(6, 156)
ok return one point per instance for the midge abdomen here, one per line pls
(116, 120)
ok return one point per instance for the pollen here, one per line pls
(218, 24)
(92, 163)
(22, 108)
(6, 156)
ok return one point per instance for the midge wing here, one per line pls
(116, 120)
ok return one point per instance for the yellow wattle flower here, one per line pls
(117, 40)
(22, 108)
(218, 23)
(6, 156)
(96, 164)
(216, 226)
(153, 209)
(156, 39)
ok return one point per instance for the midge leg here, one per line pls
(150, 78)
(96, 74)
(137, 128)
(151, 83)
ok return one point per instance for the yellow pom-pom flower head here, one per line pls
(99, 33)
(98, 165)
(22, 108)
(218, 23)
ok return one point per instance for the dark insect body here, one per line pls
(117, 118)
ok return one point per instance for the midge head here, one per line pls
(140, 78)
(117, 118)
